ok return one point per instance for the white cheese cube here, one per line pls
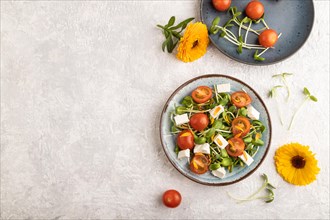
(202, 148)
(252, 113)
(220, 141)
(221, 172)
(184, 154)
(246, 158)
(181, 119)
(223, 88)
(216, 111)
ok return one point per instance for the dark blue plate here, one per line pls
(293, 18)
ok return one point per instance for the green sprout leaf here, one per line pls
(172, 34)
(308, 96)
(265, 186)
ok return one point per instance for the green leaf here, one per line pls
(240, 39)
(224, 153)
(313, 98)
(306, 91)
(181, 24)
(210, 133)
(200, 140)
(187, 101)
(287, 74)
(160, 26)
(181, 110)
(171, 21)
(176, 34)
(214, 166)
(217, 124)
(170, 45)
(216, 21)
(239, 49)
(257, 58)
(226, 162)
(176, 149)
(237, 14)
(223, 33)
(247, 139)
(174, 129)
(258, 142)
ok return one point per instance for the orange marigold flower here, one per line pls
(194, 42)
(296, 164)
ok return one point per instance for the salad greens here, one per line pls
(223, 125)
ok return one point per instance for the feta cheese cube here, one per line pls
(202, 148)
(181, 119)
(216, 111)
(223, 88)
(221, 172)
(252, 113)
(246, 158)
(184, 154)
(220, 141)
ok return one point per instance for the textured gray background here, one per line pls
(82, 89)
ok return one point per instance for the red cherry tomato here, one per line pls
(268, 38)
(240, 99)
(202, 94)
(199, 164)
(221, 5)
(199, 121)
(172, 198)
(241, 125)
(235, 147)
(185, 140)
(254, 10)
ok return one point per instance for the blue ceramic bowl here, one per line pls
(293, 18)
(168, 140)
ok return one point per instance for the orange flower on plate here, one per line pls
(194, 42)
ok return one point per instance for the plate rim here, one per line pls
(260, 63)
(209, 76)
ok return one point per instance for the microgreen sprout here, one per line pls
(283, 78)
(173, 33)
(308, 96)
(265, 186)
(273, 94)
(238, 40)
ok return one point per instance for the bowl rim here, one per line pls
(260, 63)
(210, 76)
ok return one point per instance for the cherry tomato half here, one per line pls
(202, 94)
(255, 10)
(235, 147)
(221, 5)
(268, 38)
(240, 99)
(199, 121)
(172, 198)
(185, 140)
(241, 126)
(199, 164)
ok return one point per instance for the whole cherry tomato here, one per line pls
(254, 10)
(268, 38)
(172, 198)
(221, 5)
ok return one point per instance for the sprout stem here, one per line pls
(247, 32)
(294, 116)
(264, 22)
(244, 27)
